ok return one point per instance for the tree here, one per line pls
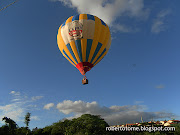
(88, 124)
(60, 128)
(47, 130)
(11, 124)
(22, 131)
(26, 121)
(38, 132)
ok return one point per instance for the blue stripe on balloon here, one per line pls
(96, 51)
(90, 17)
(76, 17)
(78, 46)
(71, 52)
(100, 55)
(88, 48)
(103, 23)
(68, 57)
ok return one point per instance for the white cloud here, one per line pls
(32, 106)
(6, 107)
(15, 93)
(139, 102)
(113, 114)
(109, 11)
(159, 23)
(35, 118)
(12, 111)
(36, 97)
(16, 96)
(12, 92)
(163, 13)
(16, 99)
(48, 106)
(124, 28)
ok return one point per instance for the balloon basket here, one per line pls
(84, 81)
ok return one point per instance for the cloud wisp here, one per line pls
(36, 98)
(159, 23)
(112, 114)
(48, 106)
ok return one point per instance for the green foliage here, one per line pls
(22, 131)
(177, 127)
(38, 132)
(27, 119)
(4, 130)
(10, 125)
(86, 125)
(47, 130)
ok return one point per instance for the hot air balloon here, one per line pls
(84, 40)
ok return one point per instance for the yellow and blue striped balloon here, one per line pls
(84, 40)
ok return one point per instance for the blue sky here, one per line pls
(138, 77)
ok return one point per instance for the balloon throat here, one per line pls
(84, 67)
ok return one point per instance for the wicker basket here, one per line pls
(84, 81)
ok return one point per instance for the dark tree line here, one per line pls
(11, 128)
(85, 125)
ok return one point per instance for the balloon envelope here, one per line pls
(84, 40)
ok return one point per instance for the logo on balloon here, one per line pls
(75, 29)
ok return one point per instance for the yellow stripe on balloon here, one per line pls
(103, 32)
(83, 16)
(97, 28)
(74, 49)
(109, 43)
(83, 48)
(59, 39)
(106, 36)
(69, 20)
